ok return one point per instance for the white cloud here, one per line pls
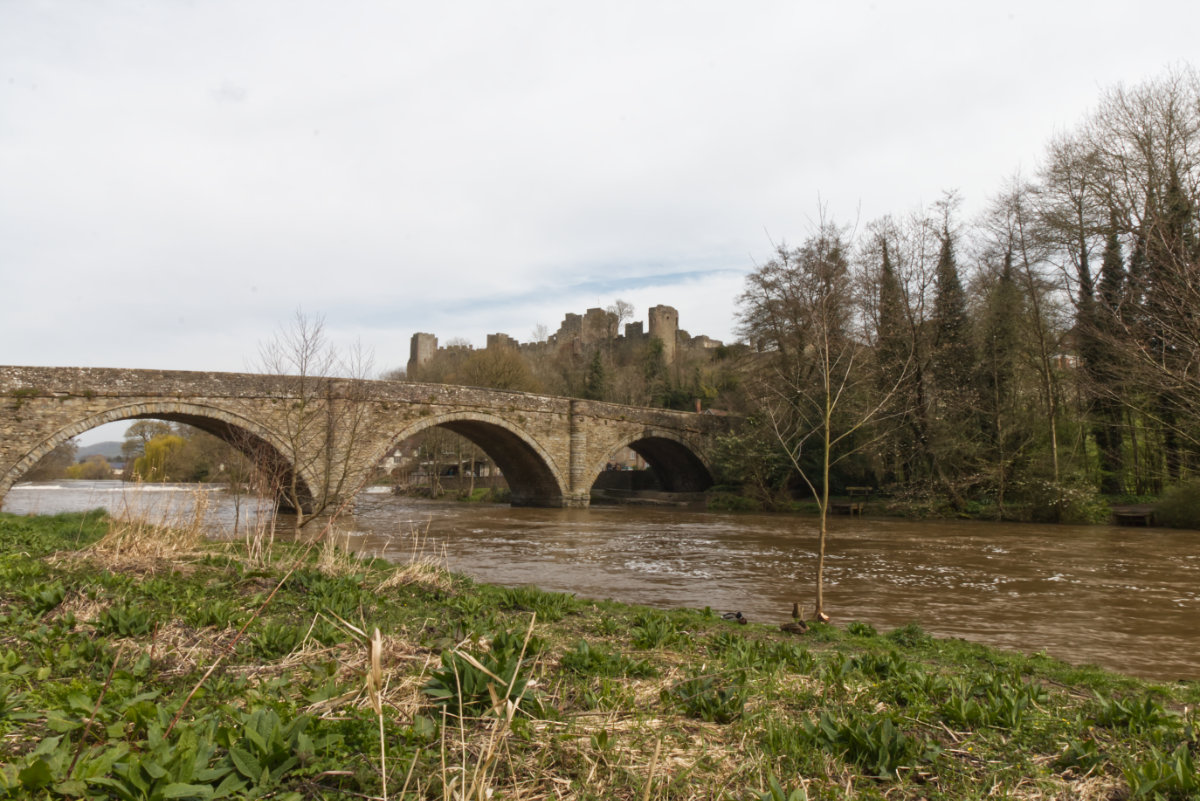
(181, 177)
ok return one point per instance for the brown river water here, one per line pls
(1124, 598)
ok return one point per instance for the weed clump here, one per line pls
(588, 661)
(477, 682)
(876, 745)
(711, 698)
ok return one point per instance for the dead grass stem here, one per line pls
(425, 566)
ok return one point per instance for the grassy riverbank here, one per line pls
(140, 663)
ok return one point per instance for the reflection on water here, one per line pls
(1128, 599)
(169, 504)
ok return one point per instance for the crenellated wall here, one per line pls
(581, 332)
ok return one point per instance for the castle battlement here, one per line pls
(581, 332)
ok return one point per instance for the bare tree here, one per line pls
(498, 368)
(1019, 239)
(55, 463)
(1075, 222)
(323, 421)
(896, 276)
(1142, 150)
(818, 393)
(619, 312)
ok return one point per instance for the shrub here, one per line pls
(860, 629)
(550, 606)
(44, 597)
(262, 748)
(787, 654)
(1081, 755)
(1146, 718)
(881, 666)
(776, 792)
(992, 701)
(275, 640)
(1063, 502)
(909, 635)
(218, 612)
(1180, 507)
(730, 502)
(341, 595)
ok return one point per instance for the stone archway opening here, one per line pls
(652, 464)
(514, 462)
(273, 468)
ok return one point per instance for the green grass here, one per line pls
(126, 677)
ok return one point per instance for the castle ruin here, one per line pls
(581, 332)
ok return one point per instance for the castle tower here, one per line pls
(501, 341)
(664, 324)
(597, 326)
(420, 352)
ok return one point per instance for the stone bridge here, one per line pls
(322, 436)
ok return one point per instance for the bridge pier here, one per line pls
(577, 500)
(579, 494)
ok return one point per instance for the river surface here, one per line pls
(1124, 598)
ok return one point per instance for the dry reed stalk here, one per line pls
(260, 541)
(134, 540)
(140, 548)
(653, 767)
(422, 567)
(403, 696)
(375, 693)
(78, 603)
(335, 557)
(476, 781)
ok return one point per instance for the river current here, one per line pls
(1124, 598)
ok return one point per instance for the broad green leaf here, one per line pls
(120, 788)
(35, 775)
(245, 763)
(72, 788)
(179, 790)
(232, 783)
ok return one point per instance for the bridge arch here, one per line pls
(534, 479)
(677, 465)
(252, 439)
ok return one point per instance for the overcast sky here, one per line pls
(177, 178)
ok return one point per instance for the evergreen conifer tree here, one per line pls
(999, 349)
(596, 384)
(955, 400)
(952, 355)
(893, 353)
(1099, 357)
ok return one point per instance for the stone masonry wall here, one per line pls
(550, 448)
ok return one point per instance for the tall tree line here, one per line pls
(1052, 343)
